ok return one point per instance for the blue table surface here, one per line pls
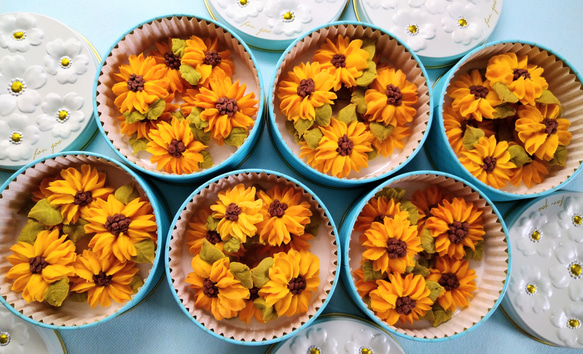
(158, 324)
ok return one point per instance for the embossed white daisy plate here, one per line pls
(46, 89)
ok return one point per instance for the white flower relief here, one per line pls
(530, 290)
(239, 10)
(385, 4)
(65, 60)
(569, 271)
(366, 339)
(313, 338)
(414, 27)
(18, 135)
(569, 324)
(318, 1)
(534, 235)
(464, 23)
(16, 331)
(416, 3)
(18, 32)
(62, 115)
(287, 16)
(437, 6)
(571, 218)
(18, 84)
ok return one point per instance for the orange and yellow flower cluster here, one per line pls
(179, 100)
(415, 264)
(345, 107)
(83, 240)
(251, 255)
(504, 123)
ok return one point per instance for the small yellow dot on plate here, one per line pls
(535, 236)
(573, 323)
(16, 137)
(18, 35)
(462, 22)
(288, 16)
(314, 350)
(4, 338)
(577, 219)
(365, 351)
(531, 288)
(243, 2)
(576, 269)
(17, 87)
(65, 62)
(413, 29)
(63, 114)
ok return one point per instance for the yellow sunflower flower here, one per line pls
(171, 66)
(473, 97)
(117, 227)
(363, 287)
(304, 89)
(541, 131)
(309, 155)
(139, 84)
(427, 199)
(523, 79)
(198, 231)
(401, 298)
(294, 277)
(391, 245)
(43, 192)
(189, 101)
(226, 107)
(344, 59)
(204, 56)
(103, 279)
(376, 209)
(530, 173)
(174, 148)
(76, 191)
(455, 225)
(489, 161)
(251, 311)
(343, 148)
(217, 290)
(284, 213)
(457, 279)
(455, 127)
(395, 141)
(390, 98)
(35, 267)
(238, 211)
(140, 129)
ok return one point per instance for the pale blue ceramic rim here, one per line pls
(167, 257)
(156, 271)
(439, 129)
(345, 234)
(232, 161)
(300, 166)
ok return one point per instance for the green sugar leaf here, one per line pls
(357, 98)
(178, 46)
(194, 118)
(373, 154)
(302, 126)
(242, 273)
(57, 292)
(440, 315)
(547, 97)
(189, 74)
(77, 297)
(133, 117)
(260, 274)
(518, 155)
(44, 213)
(347, 114)
(268, 312)
(504, 92)
(212, 223)
(210, 253)
(560, 157)
(476, 254)
(155, 109)
(232, 245)
(419, 269)
(435, 289)
(313, 137)
(369, 273)
(427, 241)
(138, 144)
(368, 75)
(429, 316)
(136, 283)
(323, 115)
(504, 111)
(237, 137)
(471, 137)
(77, 231)
(391, 193)
(177, 114)
(409, 207)
(369, 45)
(207, 162)
(381, 131)
(291, 129)
(314, 224)
(126, 193)
(146, 251)
(30, 231)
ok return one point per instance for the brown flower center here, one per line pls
(404, 305)
(458, 231)
(136, 83)
(449, 281)
(176, 148)
(209, 288)
(297, 285)
(83, 198)
(479, 91)
(380, 218)
(276, 208)
(396, 248)
(37, 264)
(253, 293)
(117, 224)
(394, 96)
(102, 279)
(306, 87)
(345, 146)
(520, 73)
(212, 57)
(232, 212)
(551, 126)
(338, 60)
(213, 237)
(489, 164)
(226, 105)
(172, 61)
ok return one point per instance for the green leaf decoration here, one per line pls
(547, 97)
(212, 223)
(313, 137)
(155, 109)
(194, 118)
(136, 283)
(504, 92)
(178, 46)
(201, 135)
(291, 129)
(504, 111)
(391, 193)
(348, 114)
(357, 98)
(260, 274)
(429, 316)
(189, 74)
(268, 312)
(146, 251)
(471, 137)
(44, 213)
(242, 273)
(369, 45)
(518, 155)
(435, 289)
(232, 245)
(126, 193)
(177, 114)
(560, 157)
(323, 115)
(369, 273)
(427, 241)
(30, 231)
(207, 162)
(237, 137)
(368, 75)
(302, 126)
(133, 117)
(476, 254)
(77, 231)
(409, 207)
(210, 253)
(373, 154)
(57, 292)
(440, 315)
(77, 297)
(315, 222)
(419, 269)
(138, 144)
(381, 131)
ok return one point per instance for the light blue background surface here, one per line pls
(158, 325)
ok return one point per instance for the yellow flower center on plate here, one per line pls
(18, 35)
(462, 22)
(413, 29)
(535, 236)
(65, 62)
(531, 288)
(4, 338)
(573, 323)
(16, 137)
(365, 351)
(314, 350)
(288, 16)
(243, 2)
(576, 269)
(17, 86)
(63, 114)
(577, 219)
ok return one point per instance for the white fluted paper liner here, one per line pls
(323, 245)
(143, 39)
(14, 198)
(563, 83)
(392, 53)
(491, 272)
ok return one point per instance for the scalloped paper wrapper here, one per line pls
(143, 39)
(15, 197)
(392, 53)
(323, 245)
(491, 271)
(563, 83)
